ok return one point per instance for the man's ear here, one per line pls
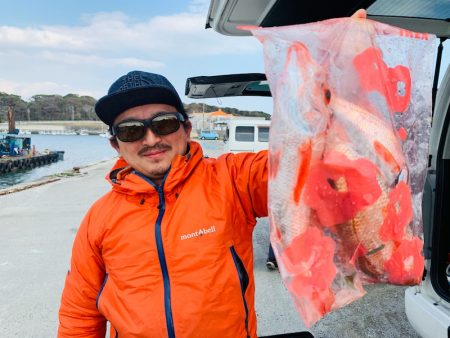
(113, 142)
(188, 128)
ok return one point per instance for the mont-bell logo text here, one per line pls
(198, 233)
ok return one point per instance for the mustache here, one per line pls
(155, 147)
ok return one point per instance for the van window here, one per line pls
(263, 134)
(245, 134)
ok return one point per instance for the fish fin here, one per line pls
(386, 156)
(304, 153)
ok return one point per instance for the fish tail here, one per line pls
(274, 161)
(302, 53)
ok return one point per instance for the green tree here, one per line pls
(12, 104)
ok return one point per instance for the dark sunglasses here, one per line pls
(161, 124)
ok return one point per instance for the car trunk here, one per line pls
(436, 226)
(416, 15)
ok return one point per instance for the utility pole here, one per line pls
(203, 117)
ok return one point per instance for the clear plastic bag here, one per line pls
(348, 153)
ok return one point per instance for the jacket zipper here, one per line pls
(163, 264)
(243, 280)
(161, 256)
(98, 298)
(100, 291)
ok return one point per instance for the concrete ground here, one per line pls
(37, 228)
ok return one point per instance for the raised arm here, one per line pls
(250, 174)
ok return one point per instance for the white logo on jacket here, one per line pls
(200, 232)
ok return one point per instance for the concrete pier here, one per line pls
(14, 163)
(38, 226)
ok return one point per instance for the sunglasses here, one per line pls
(161, 124)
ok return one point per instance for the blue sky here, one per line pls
(61, 47)
(81, 47)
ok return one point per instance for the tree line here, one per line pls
(74, 107)
(48, 107)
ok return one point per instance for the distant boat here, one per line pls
(17, 153)
(83, 132)
(105, 135)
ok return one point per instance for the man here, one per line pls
(168, 251)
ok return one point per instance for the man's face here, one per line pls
(153, 154)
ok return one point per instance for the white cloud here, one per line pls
(94, 60)
(84, 58)
(105, 34)
(27, 90)
(36, 38)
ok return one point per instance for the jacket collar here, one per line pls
(124, 179)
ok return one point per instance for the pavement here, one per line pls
(37, 229)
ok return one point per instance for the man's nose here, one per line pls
(150, 138)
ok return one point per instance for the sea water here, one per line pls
(79, 150)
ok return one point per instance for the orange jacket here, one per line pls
(174, 261)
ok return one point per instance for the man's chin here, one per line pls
(155, 175)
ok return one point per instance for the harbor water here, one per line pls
(79, 150)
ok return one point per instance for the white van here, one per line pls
(246, 135)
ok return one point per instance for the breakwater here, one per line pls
(58, 127)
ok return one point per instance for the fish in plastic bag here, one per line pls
(348, 152)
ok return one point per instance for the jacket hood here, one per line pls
(125, 179)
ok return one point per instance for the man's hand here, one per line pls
(360, 14)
